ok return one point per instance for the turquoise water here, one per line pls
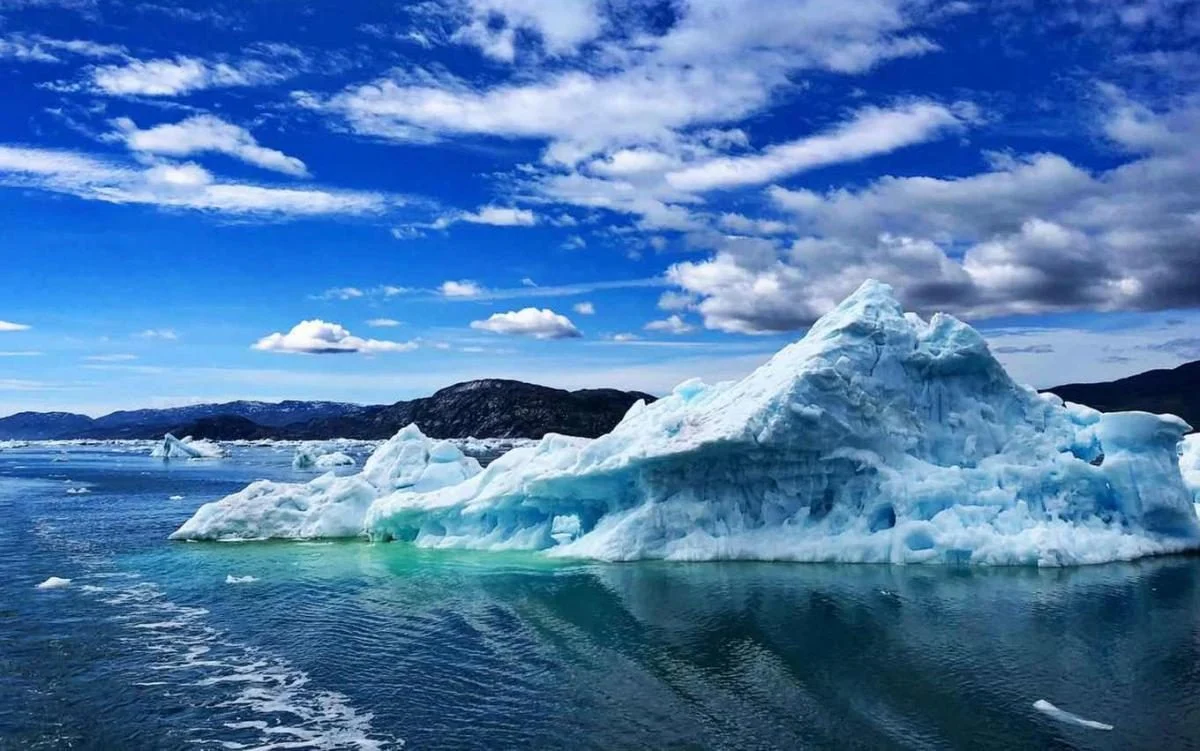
(352, 645)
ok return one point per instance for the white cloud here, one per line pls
(206, 133)
(744, 225)
(584, 308)
(179, 186)
(495, 216)
(872, 131)
(10, 326)
(180, 75)
(460, 288)
(43, 49)
(574, 242)
(540, 324)
(340, 293)
(468, 290)
(672, 324)
(111, 358)
(383, 323)
(717, 63)
(317, 337)
(21, 353)
(561, 27)
(167, 334)
(625, 337)
(1033, 234)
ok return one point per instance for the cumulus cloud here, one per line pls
(460, 288)
(673, 324)
(1032, 234)
(10, 326)
(584, 308)
(174, 186)
(539, 324)
(317, 337)
(559, 27)
(206, 134)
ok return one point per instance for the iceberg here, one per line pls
(187, 448)
(320, 456)
(330, 506)
(879, 437)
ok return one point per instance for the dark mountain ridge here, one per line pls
(1175, 391)
(488, 408)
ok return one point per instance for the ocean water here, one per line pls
(160, 645)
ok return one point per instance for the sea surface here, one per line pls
(349, 645)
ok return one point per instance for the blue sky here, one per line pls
(369, 201)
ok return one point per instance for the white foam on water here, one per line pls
(186, 652)
(231, 579)
(54, 582)
(1062, 715)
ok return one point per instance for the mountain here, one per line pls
(1175, 391)
(32, 426)
(152, 423)
(490, 408)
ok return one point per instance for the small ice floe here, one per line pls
(175, 498)
(231, 579)
(1062, 715)
(54, 582)
(78, 491)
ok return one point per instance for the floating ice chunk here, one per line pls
(175, 498)
(331, 506)
(54, 582)
(78, 491)
(879, 437)
(1061, 715)
(320, 456)
(328, 506)
(186, 448)
(231, 579)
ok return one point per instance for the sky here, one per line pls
(366, 201)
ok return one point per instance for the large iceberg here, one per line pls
(186, 448)
(878, 437)
(331, 506)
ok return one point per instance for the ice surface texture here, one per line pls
(878, 437)
(187, 448)
(320, 456)
(331, 506)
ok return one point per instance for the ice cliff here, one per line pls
(187, 448)
(1189, 463)
(878, 437)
